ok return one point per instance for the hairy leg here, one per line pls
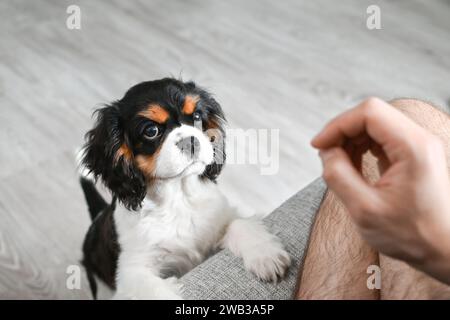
(337, 258)
(399, 280)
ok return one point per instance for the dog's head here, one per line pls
(162, 129)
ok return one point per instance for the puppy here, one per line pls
(159, 150)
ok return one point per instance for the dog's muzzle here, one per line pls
(189, 146)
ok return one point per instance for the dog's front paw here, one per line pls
(268, 261)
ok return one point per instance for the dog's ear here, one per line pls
(108, 155)
(215, 129)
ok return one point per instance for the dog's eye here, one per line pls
(197, 116)
(151, 132)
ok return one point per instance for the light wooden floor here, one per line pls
(289, 65)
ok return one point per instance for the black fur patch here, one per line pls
(101, 250)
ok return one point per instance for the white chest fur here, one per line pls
(179, 224)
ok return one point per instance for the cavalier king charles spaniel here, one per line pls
(159, 150)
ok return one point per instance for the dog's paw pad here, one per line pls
(268, 262)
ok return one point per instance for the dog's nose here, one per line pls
(189, 146)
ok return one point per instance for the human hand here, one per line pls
(406, 213)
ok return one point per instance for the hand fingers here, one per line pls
(345, 181)
(374, 117)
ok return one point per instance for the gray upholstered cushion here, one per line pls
(223, 276)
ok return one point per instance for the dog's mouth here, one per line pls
(192, 165)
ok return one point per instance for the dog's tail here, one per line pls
(94, 199)
(96, 203)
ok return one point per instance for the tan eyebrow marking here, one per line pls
(155, 113)
(189, 104)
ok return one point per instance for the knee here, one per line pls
(417, 110)
(429, 117)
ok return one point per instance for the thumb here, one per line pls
(343, 178)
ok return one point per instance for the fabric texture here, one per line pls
(223, 276)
